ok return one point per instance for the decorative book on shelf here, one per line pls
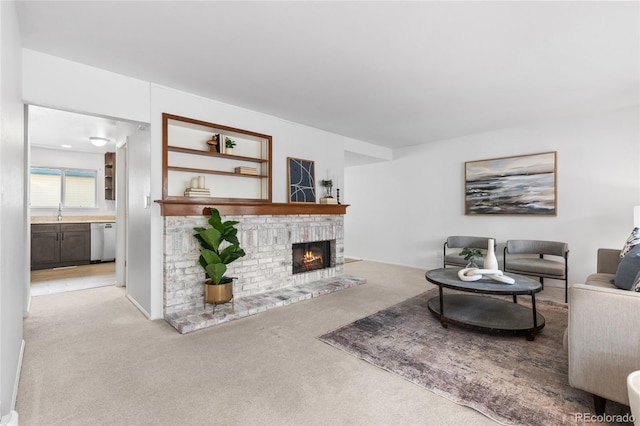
(328, 200)
(197, 192)
(247, 170)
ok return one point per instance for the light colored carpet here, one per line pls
(92, 359)
(508, 378)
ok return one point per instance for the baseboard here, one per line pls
(548, 282)
(25, 313)
(137, 305)
(551, 284)
(10, 419)
(15, 385)
(405, 265)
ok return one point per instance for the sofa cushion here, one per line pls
(636, 283)
(601, 280)
(628, 269)
(536, 266)
(632, 241)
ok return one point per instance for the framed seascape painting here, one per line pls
(302, 181)
(519, 185)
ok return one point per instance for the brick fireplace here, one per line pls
(268, 241)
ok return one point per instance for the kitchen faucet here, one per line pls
(59, 212)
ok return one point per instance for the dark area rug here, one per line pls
(506, 378)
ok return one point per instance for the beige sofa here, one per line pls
(603, 334)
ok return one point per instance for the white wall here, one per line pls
(402, 210)
(58, 83)
(138, 275)
(43, 157)
(289, 139)
(13, 249)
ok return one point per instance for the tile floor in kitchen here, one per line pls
(59, 280)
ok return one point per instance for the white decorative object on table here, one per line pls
(490, 260)
(474, 274)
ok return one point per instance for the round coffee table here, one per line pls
(488, 314)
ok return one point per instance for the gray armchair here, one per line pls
(452, 255)
(527, 257)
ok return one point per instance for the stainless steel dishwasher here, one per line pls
(103, 242)
(109, 244)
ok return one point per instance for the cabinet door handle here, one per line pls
(63, 236)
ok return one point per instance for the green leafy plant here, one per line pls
(229, 143)
(470, 253)
(327, 183)
(219, 247)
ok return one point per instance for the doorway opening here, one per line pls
(72, 190)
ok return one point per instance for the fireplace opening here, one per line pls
(311, 256)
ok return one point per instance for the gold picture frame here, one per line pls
(517, 185)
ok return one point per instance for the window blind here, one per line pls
(51, 187)
(79, 188)
(46, 187)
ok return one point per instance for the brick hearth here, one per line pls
(190, 320)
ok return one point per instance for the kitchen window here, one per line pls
(53, 187)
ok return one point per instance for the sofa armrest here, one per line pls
(608, 260)
(603, 340)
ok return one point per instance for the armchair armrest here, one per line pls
(608, 260)
(604, 340)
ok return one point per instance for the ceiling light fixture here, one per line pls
(97, 141)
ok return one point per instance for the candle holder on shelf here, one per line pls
(327, 198)
(328, 188)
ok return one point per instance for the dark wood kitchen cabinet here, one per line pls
(60, 244)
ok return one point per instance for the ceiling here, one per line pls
(51, 128)
(390, 73)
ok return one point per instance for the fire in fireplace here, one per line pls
(311, 256)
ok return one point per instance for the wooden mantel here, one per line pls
(184, 207)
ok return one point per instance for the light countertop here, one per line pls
(73, 219)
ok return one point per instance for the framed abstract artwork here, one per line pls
(519, 185)
(302, 181)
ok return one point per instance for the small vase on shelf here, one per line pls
(228, 145)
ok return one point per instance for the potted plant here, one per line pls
(229, 144)
(470, 255)
(219, 247)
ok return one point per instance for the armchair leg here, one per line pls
(598, 404)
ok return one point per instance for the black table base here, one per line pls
(487, 314)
